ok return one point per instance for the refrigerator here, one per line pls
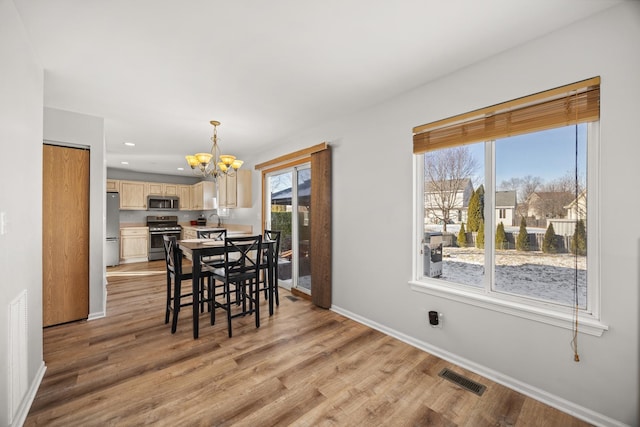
(112, 245)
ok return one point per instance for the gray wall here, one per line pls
(123, 174)
(370, 193)
(21, 89)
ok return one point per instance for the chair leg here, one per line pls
(211, 287)
(243, 296)
(176, 304)
(202, 298)
(275, 285)
(168, 303)
(228, 306)
(256, 296)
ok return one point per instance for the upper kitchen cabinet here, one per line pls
(235, 191)
(113, 185)
(133, 195)
(162, 189)
(202, 196)
(184, 193)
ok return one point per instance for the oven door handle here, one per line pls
(156, 233)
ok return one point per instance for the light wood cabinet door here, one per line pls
(235, 191)
(134, 243)
(189, 233)
(133, 195)
(227, 191)
(202, 196)
(184, 193)
(156, 189)
(162, 189)
(196, 196)
(113, 185)
(171, 190)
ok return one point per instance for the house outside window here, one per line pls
(543, 171)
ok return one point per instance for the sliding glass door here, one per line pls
(288, 209)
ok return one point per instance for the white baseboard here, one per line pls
(98, 315)
(21, 416)
(103, 313)
(554, 401)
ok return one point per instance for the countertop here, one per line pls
(229, 227)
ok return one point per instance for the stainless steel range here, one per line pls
(160, 226)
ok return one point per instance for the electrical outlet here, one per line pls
(435, 319)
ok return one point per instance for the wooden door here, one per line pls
(65, 234)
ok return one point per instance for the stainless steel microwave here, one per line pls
(163, 203)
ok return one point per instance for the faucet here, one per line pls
(219, 219)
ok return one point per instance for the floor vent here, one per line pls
(292, 298)
(463, 382)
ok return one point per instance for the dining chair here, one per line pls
(176, 274)
(218, 235)
(272, 235)
(242, 257)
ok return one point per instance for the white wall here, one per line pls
(369, 193)
(73, 129)
(21, 89)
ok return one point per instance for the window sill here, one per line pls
(586, 324)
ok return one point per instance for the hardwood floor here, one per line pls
(304, 366)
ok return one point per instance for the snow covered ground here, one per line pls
(549, 277)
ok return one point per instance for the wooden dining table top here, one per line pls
(203, 244)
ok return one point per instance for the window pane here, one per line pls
(304, 228)
(541, 185)
(279, 190)
(453, 201)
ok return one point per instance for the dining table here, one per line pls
(200, 248)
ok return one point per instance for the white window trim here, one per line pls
(588, 320)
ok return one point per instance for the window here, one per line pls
(519, 174)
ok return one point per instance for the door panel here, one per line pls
(65, 234)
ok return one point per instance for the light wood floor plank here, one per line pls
(304, 366)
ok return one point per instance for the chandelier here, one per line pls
(205, 164)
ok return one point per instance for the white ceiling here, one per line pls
(159, 70)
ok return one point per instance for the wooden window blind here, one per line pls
(567, 105)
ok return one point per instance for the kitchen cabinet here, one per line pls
(113, 185)
(184, 193)
(171, 190)
(133, 195)
(189, 232)
(162, 189)
(134, 244)
(202, 196)
(235, 191)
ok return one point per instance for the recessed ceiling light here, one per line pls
(129, 144)
(180, 169)
(124, 163)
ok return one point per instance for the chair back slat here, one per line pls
(242, 255)
(172, 254)
(212, 234)
(275, 236)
